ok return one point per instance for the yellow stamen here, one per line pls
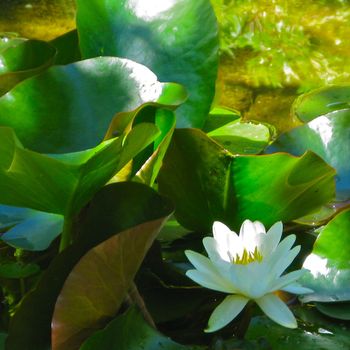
(248, 257)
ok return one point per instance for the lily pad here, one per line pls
(317, 334)
(116, 208)
(220, 116)
(21, 59)
(69, 108)
(131, 332)
(322, 101)
(336, 310)
(62, 184)
(208, 183)
(176, 39)
(329, 263)
(329, 137)
(36, 232)
(242, 137)
(11, 216)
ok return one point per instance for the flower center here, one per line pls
(248, 257)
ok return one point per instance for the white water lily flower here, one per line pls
(248, 267)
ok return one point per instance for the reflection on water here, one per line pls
(273, 50)
(39, 19)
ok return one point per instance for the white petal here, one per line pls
(210, 281)
(277, 310)
(227, 242)
(279, 254)
(249, 236)
(296, 288)
(231, 306)
(271, 239)
(259, 227)
(210, 246)
(200, 262)
(286, 279)
(285, 261)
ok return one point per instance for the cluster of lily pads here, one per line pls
(114, 160)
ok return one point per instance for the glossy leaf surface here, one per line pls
(329, 262)
(130, 332)
(336, 310)
(314, 332)
(116, 208)
(10, 216)
(176, 39)
(207, 183)
(36, 232)
(329, 137)
(242, 137)
(322, 101)
(69, 108)
(21, 59)
(62, 184)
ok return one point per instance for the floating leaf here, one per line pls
(69, 108)
(220, 116)
(316, 333)
(322, 101)
(329, 263)
(36, 232)
(336, 310)
(329, 137)
(242, 137)
(207, 183)
(67, 46)
(62, 184)
(130, 332)
(21, 59)
(116, 208)
(176, 39)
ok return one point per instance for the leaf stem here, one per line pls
(66, 237)
(242, 328)
(137, 299)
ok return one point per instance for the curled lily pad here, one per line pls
(176, 39)
(62, 184)
(329, 263)
(242, 137)
(208, 183)
(21, 59)
(322, 101)
(327, 135)
(69, 108)
(336, 310)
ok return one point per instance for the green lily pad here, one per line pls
(314, 332)
(208, 183)
(63, 184)
(242, 137)
(176, 39)
(131, 332)
(67, 46)
(329, 263)
(36, 232)
(69, 108)
(116, 208)
(322, 101)
(21, 59)
(329, 137)
(336, 310)
(220, 116)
